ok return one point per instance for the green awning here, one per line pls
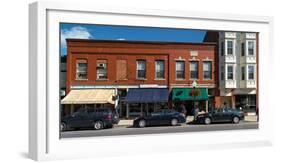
(183, 94)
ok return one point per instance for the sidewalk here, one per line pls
(251, 118)
(126, 122)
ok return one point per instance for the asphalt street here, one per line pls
(123, 130)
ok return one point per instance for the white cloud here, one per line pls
(74, 32)
(121, 39)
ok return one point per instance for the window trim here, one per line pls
(76, 68)
(97, 78)
(233, 71)
(254, 73)
(233, 47)
(137, 74)
(197, 70)
(184, 76)
(155, 72)
(247, 47)
(211, 71)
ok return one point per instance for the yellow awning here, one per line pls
(89, 96)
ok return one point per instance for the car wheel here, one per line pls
(174, 122)
(63, 126)
(98, 125)
(235, 119)
(207, 120)
(142, 123)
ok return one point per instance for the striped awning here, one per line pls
(89, 96)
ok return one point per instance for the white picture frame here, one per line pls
(44, 141)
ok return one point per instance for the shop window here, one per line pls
(81, 69)
(101, 69)
(160, 69)
(141, 69)
(180, 70)
(193, 67)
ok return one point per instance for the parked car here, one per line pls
(98, 118)
(221, 115)
(162, 117)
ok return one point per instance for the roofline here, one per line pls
(138, 42)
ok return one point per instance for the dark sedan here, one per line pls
(221, 115)
(90, 118)
(162, 117)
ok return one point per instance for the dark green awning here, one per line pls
(183, 94)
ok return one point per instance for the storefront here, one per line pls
(142, 101)
(246, 102)
(191, 97)
(94, 98)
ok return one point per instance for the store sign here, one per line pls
(148, 85)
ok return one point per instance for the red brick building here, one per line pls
(122, 66)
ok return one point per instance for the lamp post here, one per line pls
(194, 84)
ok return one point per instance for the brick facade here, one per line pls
(126, 53)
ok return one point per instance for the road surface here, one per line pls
(123, 130)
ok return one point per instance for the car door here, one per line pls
(76, 120)
(156, 118)
(84, 118)
(227, 115)
(88, 119)
(167, 117)
(217, 115)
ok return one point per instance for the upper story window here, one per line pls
(242, 73)
(243, 49)
(121, 72)
(81, 69)
(222, 73)
(207, 70)
(141, 69)
(251, 72)
(160, 69)
(180, 69)
(101, 69)
(193, 67)
(222, 48)
(251, 47)
(230, 47)
(230, 72)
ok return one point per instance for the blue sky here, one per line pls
(109, 32)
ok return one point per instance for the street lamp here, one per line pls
(194, 84)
